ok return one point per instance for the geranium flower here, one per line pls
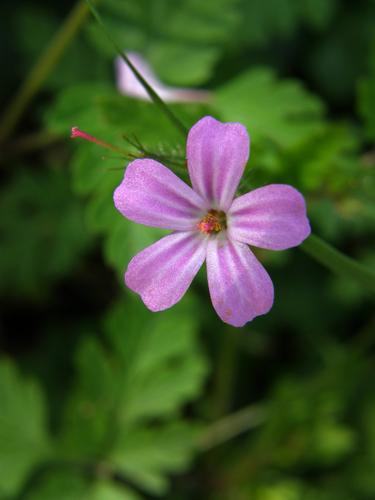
(128, 84)
(209, 225)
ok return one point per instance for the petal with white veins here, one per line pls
(153, 195)
(240, 287)
(162, 272)
(217, 154)
(272, 217)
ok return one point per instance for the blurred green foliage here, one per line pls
(101, 399)
(280, 111)
(51, 227)
(23, 441)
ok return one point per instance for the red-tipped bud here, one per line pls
(76, 132)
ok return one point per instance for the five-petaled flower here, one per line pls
(208, 224)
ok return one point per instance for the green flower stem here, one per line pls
(42, 69)
(151, 92)
(337, 262)
(231, 426)
(226, 371)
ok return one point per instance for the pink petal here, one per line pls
(162, 272)
(240, 287)
(151, 194)
(128, 84)
(217, 154)
(271, 217)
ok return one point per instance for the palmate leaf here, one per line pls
(124, 409)
(23, 438)
(326, 162)
(160, 363)
(88, 413)
(147, 455)
(278, 110)
(161, 369)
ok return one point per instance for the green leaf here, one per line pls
(66, 484)
(23, 438)
(104, 490)
(123, 411)
(161, 367)
(147, 455)
(182, 64)
(329, 161)
(89, 412)
(79, 105)
(59, 485)
(158, 31)
(263, 22)
(278, 110)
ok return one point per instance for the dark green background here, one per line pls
(101, 399)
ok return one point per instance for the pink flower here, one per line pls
(128, 84)
(209, 225)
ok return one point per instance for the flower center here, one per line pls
(213, 222)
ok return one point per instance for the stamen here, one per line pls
(213, 222)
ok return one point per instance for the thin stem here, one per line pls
(232, 426)
(150, 91)
(226, 372)
(178, 161)
(42, 69)
(337, 262)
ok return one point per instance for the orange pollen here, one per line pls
(212, 222)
